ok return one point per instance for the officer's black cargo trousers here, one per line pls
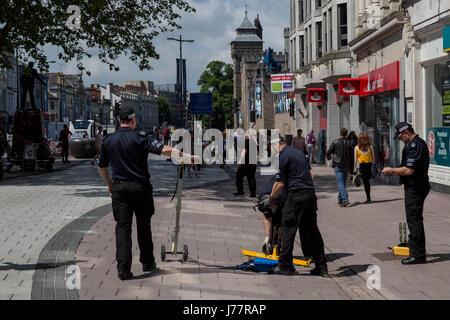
(414, 201)
(129, 197)
(300, 209)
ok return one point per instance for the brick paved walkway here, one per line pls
(215, 224)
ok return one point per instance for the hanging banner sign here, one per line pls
(282, 82)
(316, 95)
(438, 141)
(446, 39)
(349, 86)
(258, 99)
(383, 79)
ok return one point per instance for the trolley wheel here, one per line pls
(163, 253)
(185, 252)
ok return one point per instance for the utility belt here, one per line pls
(119, 181)
(302, 190)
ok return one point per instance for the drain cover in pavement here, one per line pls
(388, 256)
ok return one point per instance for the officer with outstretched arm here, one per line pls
(300, 206)
(413, 174)
(127, 151)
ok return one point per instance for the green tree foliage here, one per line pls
(218, 79)
(164, 113)
(107, 27)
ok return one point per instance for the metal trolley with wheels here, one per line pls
(176, 231)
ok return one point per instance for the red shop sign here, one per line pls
(316, 95)
(349, 86)
(380, 80)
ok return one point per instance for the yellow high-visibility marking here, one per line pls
(298, 262)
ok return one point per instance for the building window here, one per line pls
(325, 34)
(342, 22)
(301, 13)
(330, 28)
(438, 95)
(310, 44)
(295, 54)
(318, 4)
(319, 39)
(307, 51)
(302, 51)
(52, 105)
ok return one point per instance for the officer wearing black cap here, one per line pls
(414, 176)
(127, 152)
(300, 206)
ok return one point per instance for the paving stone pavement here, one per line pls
(36, 207)
(33, 209)
(215, 225)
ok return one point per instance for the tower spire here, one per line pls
(246, 11)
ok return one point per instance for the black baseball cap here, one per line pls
(401, 127)
(126, 113)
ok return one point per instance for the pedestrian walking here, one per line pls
(322, 146)
(299, 209)
(311, 145)
(299, 142)
(193, 166)
(413, 174)
(126, 150)
(64, 139)
(247, 169)
(340, 152)
(353, 142)
(364, 159)
(98, 144)
(2, 151)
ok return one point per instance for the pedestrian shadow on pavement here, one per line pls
(438, 257)
(329, 256)
(354, 204)
(5, 266)
(351, 270)
(335, 256)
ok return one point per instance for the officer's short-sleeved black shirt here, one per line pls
(294, 170)
(127, 151)
(415, 156)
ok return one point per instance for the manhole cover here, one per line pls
(388, 256)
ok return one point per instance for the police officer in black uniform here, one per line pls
(299, 209)
(127, 152)
(414, 176)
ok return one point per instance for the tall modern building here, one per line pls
(319, 54)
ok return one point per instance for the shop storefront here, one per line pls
(437, 119)
(436, 113)
(379, 111)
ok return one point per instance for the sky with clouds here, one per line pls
(212, 27)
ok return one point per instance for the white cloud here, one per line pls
(212, 28)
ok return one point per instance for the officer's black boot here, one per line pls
(320, 270)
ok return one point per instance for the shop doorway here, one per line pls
(378, 115)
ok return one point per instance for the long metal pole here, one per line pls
(181, 80)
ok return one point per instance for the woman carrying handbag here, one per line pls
(363, 156)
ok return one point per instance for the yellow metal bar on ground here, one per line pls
(298, 262)
(401, 251)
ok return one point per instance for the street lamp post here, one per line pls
(181, 75)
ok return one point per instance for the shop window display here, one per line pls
(378, 115)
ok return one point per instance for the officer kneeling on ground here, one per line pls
(272, 220)
(127, 152)
(300, 206)
(414, 176)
